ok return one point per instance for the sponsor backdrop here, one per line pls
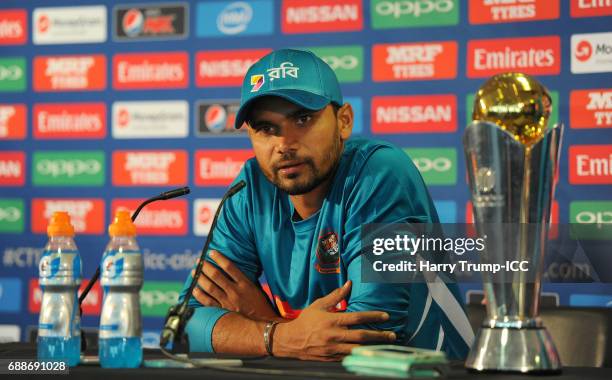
(105, 103)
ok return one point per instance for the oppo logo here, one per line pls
(345, 62)
(9, 214)
(235, 18)
(69, 168)
(439, 164)
(153, 298)
(397, 9)
(599, 218)
(13, 72)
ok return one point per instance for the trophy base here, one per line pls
(513, 350)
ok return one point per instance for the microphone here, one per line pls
(174, 193)
(163, 196)
(179, 314)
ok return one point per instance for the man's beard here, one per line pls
(313, 175)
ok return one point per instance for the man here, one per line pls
(309, 190)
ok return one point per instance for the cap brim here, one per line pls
(304, 99)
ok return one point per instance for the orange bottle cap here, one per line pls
(122, 225)
(59, 224)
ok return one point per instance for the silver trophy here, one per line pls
(512, 158)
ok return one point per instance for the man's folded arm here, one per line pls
(396, 193)
(232, 238)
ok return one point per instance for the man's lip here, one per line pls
(289, 165)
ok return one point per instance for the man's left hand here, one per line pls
(230, 289)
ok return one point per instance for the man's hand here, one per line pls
(319, 334)
(230, 289)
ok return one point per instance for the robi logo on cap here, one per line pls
(584, 50)
(257, 81)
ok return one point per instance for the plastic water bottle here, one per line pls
(120, 337)
(59, 324)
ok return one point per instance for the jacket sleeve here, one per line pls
(233, 238)
(389, 189)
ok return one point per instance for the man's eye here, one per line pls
(303, 119)
(265, 129)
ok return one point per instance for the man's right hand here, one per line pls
(320, 334)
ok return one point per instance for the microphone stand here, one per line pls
(161, 197)
(179, 314)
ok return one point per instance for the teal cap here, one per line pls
(298, 76)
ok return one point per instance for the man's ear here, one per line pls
(345, 119)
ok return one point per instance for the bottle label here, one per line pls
(120, 267)
(120, 316)
(59, 315)
(60, 268)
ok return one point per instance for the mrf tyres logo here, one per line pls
(530, 55)
(438, 166)
(591, 108)
(70, 73)
(216, 118)
(414, 114)
(11, 215)
(219, 167)
(413, 13)
(346, 60)
(68, 168)
(494, 12)
(150, 168)
(13, 27)
(12, 121)
(321, 16)
(86, 215)
(590, 164)
(414, 61)
(12, 74)
(591, 53)
(146, 22)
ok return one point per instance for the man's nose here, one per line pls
(287, 140)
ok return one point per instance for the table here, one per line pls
(93, 372)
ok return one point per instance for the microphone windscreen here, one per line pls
(175, 193)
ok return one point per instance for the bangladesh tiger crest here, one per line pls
(328, 253)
